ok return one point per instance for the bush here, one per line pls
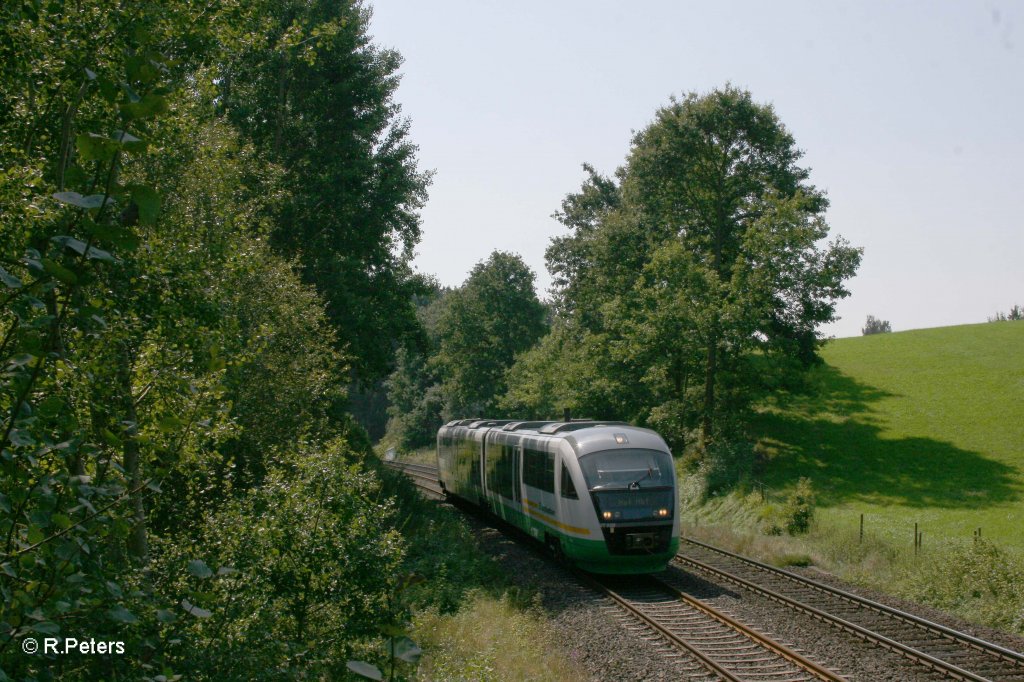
(794, 516)
(287, 580)
(980, 581)
(1016, 313)
(799, 509)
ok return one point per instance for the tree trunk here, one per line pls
(710, 369)
(138, 545)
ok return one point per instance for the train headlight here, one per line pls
(607, 516)
(661, 513)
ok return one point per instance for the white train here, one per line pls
(601, 494)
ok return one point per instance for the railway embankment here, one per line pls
(604, 641)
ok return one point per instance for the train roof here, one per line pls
(585, 435)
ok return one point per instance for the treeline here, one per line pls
(689, 283)
(206, 217)
(1016, 312)
(473, 334)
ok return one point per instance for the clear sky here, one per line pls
(911, 116)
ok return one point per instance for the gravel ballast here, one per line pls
(608, 644)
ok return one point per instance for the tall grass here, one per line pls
(491, 639)
(974, 579)
(471, 620)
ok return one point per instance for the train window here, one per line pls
(568, 488)
(501, 470)
(623, 469)
(539, 470)
(469, 452)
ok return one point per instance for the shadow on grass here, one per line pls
(447, 549)
(832, 434)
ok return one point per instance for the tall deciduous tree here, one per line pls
(158, 358)
(719, 174)
(493, 317)
(707, 249)
(312, 91)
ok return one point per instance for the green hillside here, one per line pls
(922, 426)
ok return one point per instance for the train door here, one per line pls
(539, 488)
(570, 510)
(517, 467)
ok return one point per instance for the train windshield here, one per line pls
(627, 469)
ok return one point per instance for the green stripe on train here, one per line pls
(590, 555)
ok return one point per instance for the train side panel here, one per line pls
(458, 462)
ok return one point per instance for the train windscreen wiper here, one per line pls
(635, 485)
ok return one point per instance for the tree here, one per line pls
(164, 368)
(876, 326)
(483, 326)
(707, 251)
(414, 393)
(718, 173)
(307, 86)
(1015, 313)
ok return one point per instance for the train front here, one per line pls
(633, 489)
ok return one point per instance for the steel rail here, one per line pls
(782, 650)
(419, 471)
(932, 662)
(679, 642)
(949, 633)
(418, 476)
(813, 669)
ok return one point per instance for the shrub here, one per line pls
(799, 508)
(980, 581)
(794, 516)
(285, 581)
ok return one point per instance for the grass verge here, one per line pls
(976, 580)
(491, 639)
(469, 618)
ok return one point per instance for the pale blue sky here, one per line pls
(911, 116)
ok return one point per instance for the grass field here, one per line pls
(922, 426)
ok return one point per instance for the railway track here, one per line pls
(710, 640)
(954, 654)
(423, 475)
(725, 647)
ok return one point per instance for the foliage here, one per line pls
(799, 508)
(307, 86)
(107, 387)
(299, 568)
(414, 387)
(483, 326)
(1015, 313)
(159, 359)
(693, 278)
(875, 326)
(537, 382)
(982, 581)
(416, 398)
(398, 647)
